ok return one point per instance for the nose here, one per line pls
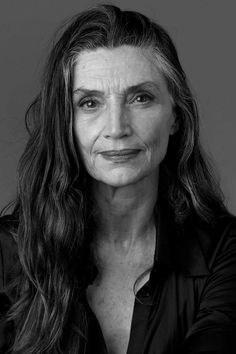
(117, 123)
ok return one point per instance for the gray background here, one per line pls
(203, 31)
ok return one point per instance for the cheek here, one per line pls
(156, 140)
(83, 144)
(84, 136)
(156, 134)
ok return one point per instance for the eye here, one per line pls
(88, 104)
(143, 98)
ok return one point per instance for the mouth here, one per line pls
(120, 155)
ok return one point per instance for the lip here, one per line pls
(120, 156)
(122, 152)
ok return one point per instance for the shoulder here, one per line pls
(8, 248)
(219, 242)
(224, 233)
(227, 228)
(226, 246)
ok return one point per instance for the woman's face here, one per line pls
(123, 114)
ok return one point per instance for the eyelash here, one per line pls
(82, 103)
(86, 101)
(146, 95)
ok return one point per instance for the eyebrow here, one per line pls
(133, 88)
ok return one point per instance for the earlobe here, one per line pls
(174, 127)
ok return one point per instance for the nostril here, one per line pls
(116, 121)
(117, 133)
(117, 130)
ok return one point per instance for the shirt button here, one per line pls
(145, 291)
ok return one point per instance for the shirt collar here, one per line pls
(186, 249)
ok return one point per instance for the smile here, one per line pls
(120, 155)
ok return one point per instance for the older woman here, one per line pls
(119, 241)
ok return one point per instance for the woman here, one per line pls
(119, 241)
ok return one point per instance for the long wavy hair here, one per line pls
(53, 202)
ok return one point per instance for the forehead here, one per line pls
(116, 68)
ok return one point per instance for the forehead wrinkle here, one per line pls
(102, 74)
(106, 76)
(103, 87)
(115, 86)
(129, 89)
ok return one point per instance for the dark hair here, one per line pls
(53, 205)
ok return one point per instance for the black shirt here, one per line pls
(188, 305)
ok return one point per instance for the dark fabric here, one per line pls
(188, 305)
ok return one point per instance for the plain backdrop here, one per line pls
(203, 31)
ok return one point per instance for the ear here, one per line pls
(175, 125)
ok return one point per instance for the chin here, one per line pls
(120, 180)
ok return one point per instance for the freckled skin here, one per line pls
(121, 120)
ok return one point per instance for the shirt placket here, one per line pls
(139, 324)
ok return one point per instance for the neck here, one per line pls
(126, 214)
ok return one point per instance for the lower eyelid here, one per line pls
(146, 96)
(83, 103)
